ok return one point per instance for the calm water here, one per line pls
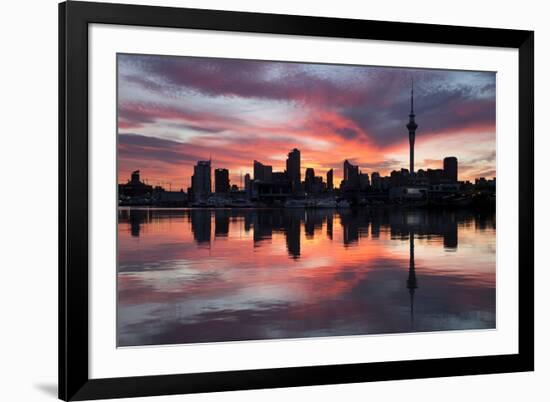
(205, 275)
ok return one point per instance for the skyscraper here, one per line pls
(364, 181)
(221, 180)
(308, 181)
(201, 181)
(293, 169)
(262, 172)
(330, 180)
(450, 168)
(412, 126)
(376, 182)
(351, 176)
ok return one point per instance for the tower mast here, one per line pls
(411, 126)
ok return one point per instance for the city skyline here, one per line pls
(175, 111)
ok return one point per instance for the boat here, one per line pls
(296, 204)
(239, 203)
(326, 203)
(343, 204)
(216, 202)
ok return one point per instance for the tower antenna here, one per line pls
(412, 95)
(411, 126)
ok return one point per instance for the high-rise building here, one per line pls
(135, 177)
(247, 185)
(376, 182)
(330, 180)
(201, 181)
(221, 177)
(309, 179)
(435, 176)
(364, 182)
(293, 169)
(450, 168)
(262, 172)
(351, 176)
(412, 126)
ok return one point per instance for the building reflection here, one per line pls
(293, 232)
(302, 235)
(221, 221)
(330, 218)
(135, 218)
(201, 225)
(354, 224)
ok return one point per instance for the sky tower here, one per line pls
(412, 126)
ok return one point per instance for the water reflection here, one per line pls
(205, 275)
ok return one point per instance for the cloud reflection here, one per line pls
(220, 275)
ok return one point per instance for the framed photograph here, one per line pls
(256, 200)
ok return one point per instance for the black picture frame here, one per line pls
(74, 18)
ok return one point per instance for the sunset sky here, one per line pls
(174, 111)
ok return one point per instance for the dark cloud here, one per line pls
(139, 147)
(374, 100)
(347, 132)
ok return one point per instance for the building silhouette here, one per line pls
(221, 180)
(201, 181)
(247, 185)
(293, 171)
(262, 172)
(411, 126)
(376, 181)
(134, 187)
(364, 182)
(330, 180)
(351, 176)
(450, 168)
(309, 179)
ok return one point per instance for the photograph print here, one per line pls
(262, 200)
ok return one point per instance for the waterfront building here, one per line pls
(450, 168)
(201, 181)
(262, 172)
(134, 187)
(330, 180)
(364, 182)
(293, 171)
(279, 177)
(308, 181)
(247, 185)
(376, 181)
(221, 177)
(435, 176)
(351, 176)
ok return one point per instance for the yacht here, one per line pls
(239, 203)
(296, 204)
(343, 204)
(327, 203)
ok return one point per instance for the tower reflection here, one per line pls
(411, 280)
(347, 271)
(354, 224)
